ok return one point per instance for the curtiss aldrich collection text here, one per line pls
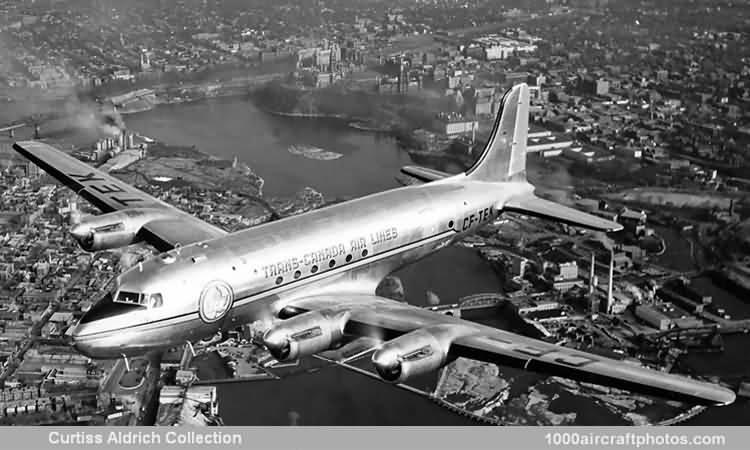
(144, 438)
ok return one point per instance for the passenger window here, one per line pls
(332, 263)
(279, 280)
(314, 269)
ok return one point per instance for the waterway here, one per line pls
(229, 127)
(233, 126)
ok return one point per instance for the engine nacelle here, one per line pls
(306, 334)
(412, 354)
(115, 229)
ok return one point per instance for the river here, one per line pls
(229, 127)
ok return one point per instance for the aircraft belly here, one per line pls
(136, 340)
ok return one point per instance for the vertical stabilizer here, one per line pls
(504, 156)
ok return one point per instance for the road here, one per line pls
(35, 331)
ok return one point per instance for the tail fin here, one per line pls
(504, 157)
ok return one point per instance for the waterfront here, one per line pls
(234, 126)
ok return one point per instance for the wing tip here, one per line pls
(725, 397)
(612, 227)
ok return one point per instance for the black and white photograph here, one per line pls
(374, 213)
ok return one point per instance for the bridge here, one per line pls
(11, 129)
(482, 301)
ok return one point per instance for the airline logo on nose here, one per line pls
(215, 301)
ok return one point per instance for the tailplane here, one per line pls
(504, 156)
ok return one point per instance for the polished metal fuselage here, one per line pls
(347, 248)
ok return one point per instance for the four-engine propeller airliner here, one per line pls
(313, 277)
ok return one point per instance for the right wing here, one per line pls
(110, 194)
(426, 340)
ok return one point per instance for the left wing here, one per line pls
(538, 207)
(418, 340)
(424, 174)
(172, 227)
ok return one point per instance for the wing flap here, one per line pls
(167, 234)
(538, 207)
(110, 194)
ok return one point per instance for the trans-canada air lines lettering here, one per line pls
(326, 254)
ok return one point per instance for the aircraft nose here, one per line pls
(79, 342)
(87, 335)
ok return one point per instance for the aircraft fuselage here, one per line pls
(251, 274)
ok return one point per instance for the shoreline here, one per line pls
(352, 122)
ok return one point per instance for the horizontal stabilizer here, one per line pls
(538, 207)
(423, 173)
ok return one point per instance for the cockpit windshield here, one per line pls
(114, 302)
(106, 308)
(131, 298)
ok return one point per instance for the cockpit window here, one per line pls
(131, 298)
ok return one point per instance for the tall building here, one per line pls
(145, 61)
(594, 86)
(608, 302)
(592, 275)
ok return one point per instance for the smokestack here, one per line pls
(611, 276)
(592, 274)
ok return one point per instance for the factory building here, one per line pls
(653, 316)
(567, 277)
(665, 316)
(494, 47)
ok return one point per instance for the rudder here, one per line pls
(504, 156)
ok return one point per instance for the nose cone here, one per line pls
(95, 334)
(80, 343)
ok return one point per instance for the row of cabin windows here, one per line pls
(332, 263)
(314, 268)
